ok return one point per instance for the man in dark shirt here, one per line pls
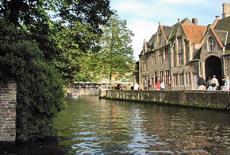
(201, 83)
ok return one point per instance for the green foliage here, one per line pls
(63, 29)
(90, 68)
(116, 53)
(68, 62)
(115, 56)
(39, 88)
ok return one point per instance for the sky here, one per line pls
(144, 16)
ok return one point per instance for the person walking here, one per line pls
(226, 83)
(214, 83)
(162, 85)
(209, 87)
(201, 83)
(158, 85)
(136, 86)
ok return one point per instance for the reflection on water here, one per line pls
(92, 126)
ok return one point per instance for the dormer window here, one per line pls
(211, 43)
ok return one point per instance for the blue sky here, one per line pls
(143, 16)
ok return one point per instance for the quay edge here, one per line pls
(215, 100)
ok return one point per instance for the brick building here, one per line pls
(179, 53)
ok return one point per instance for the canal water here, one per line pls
(89, 125)
(93, 126)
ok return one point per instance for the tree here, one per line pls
(115, 56)
(37, 38)
(58, 26)
(39, 88)
(116, 53)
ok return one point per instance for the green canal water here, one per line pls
(90, 126)
(93, 126)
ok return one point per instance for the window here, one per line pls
(166, 55)
(187, 51)
(186, 78)
(167, 76)
(161, 75)
(189, 78)
(181, 79)
(180, 51)
(174, 56)
(161, 57)
(211, 43)
(175, 80)
(156, 77)
(180, 57)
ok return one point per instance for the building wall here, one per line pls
(226, 60)
(179, 73)
(7, 112)
(184, 69)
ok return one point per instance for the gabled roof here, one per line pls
(193, 32)
(186, 21)
(224, 24)
(222, 35)
(217, 38)
(152, 40)
(144, 48)
(167, 30)
(175, 26)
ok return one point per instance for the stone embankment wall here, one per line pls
(219, 100)
(7, 112)
(88, 91)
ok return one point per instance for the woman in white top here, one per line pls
(162, 85)
(226, 84)
(214, 83)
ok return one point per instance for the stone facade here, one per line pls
(178, 54)
(226, 10)
(7, 112)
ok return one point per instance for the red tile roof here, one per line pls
(194, 33)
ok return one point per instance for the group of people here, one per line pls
(213, 83)
(158, 86)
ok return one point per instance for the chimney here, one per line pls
(215, 21)
(226, 10)
(217, 17)
(195, 21)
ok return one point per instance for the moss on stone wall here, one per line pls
(199, 99)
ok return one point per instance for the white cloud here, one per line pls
(145, 9)
(188, 2)
(142, 30)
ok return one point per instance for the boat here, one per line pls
(72, 95)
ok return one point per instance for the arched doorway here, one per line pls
(213, 67)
